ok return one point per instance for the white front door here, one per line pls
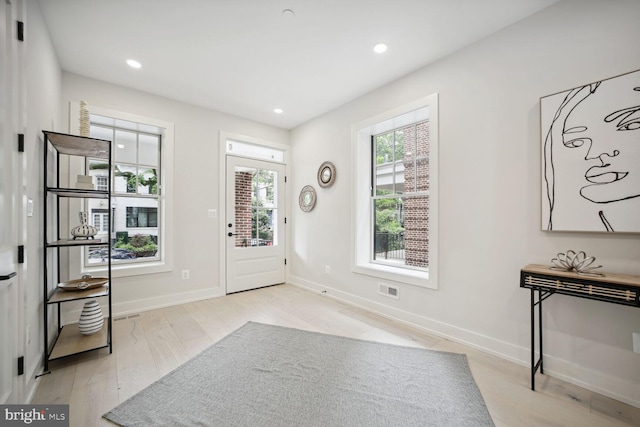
(10, 325)
(255, 224)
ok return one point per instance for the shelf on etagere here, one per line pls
(83, 242)
(71, 341)
(74, 145)
(60, 295)
(80, 193)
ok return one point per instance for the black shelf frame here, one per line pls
(84, 147)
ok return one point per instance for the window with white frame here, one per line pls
(100, 220)
(102, 183)
(136, 189)
(395, 196)
(400, 196)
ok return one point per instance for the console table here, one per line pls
(615, 288)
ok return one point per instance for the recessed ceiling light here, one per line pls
(278, 110)
(380, 47)
(133, 63)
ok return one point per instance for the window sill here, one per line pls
(402, 275)
(134, 269)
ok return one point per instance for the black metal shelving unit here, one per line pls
(68, 340)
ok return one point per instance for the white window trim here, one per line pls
(165, 202)
(361, 236)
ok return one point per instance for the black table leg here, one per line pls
(540, 329)
(533, 341)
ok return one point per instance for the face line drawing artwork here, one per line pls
(585, 119)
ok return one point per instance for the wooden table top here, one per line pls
(621, 279)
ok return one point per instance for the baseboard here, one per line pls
(32, 382)
(440, 329)
(152, 303)
(615, 388)
(624, 391)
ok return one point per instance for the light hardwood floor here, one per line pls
(151, 344)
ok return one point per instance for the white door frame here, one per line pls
(12, 229)
(222, 177)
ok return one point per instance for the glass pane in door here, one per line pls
(256, 207)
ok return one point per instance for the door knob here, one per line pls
(232, 234)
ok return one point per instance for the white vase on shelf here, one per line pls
(84, 230)
(91, 318)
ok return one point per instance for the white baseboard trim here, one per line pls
(624, 391)
(131, 307)
(615, 388)
(32, 382)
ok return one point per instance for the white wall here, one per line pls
(489, 197)
(196, 165)
(43, 113)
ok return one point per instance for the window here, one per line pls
(142, 217)
(136, 153)
(400, 196)
(102, 183)
(395, 196)
(141, 193)
(240, 148)
(100, 220)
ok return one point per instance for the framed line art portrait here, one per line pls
(590, 148)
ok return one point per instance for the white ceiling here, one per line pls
(245, 57)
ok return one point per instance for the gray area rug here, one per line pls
(263, 375)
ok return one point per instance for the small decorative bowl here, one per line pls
(83, 284)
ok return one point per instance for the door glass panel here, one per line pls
(256, 207)
(264, 188)
(263, 226)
